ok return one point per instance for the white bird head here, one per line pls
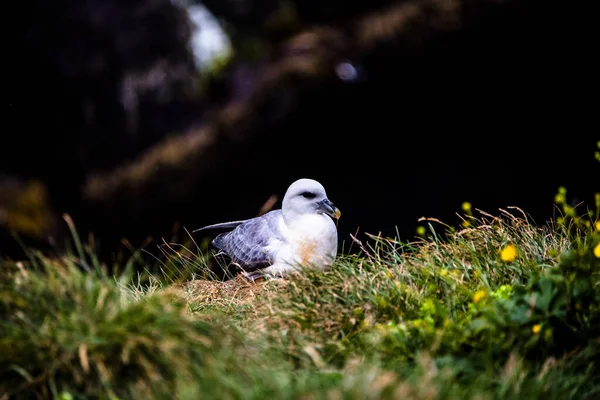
(307, 196)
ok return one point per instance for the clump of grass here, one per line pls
(64, 329)
(392, 281)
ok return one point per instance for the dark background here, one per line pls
(494, 108)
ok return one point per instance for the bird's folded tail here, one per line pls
(222, 225)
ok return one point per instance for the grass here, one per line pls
(500, 309)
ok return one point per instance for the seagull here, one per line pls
(300, 234)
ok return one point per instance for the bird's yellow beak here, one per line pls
(337, 213)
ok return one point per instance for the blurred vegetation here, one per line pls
(25, 208)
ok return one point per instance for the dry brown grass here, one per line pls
(237, 290)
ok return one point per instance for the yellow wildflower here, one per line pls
(536, 329)
(598, 225)
(466, 206)
(444, 272)
(478, 296)
(421, 231)
(559, 198)
(597, 250)
(509, 253)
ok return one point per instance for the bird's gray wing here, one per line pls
(247, 244)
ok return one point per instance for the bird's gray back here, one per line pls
(247, 244)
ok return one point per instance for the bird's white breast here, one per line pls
(311, 240)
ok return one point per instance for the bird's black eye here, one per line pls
(308, 195)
